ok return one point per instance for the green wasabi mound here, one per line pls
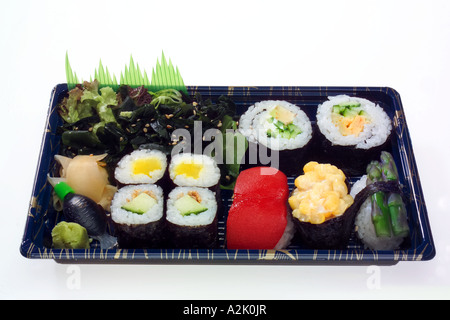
(70, 235)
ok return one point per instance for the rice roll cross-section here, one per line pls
(138, 215)
(192, 218)
(353, 131)
(279, 126)
(141, 166)
(194, 170)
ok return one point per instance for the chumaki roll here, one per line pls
(352, 131)
(138, 215)
(279, 127)
(319, 204)
(192, 218)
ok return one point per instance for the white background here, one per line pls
(401, 44)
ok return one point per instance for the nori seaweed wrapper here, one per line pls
(141, 236)
(288, 161)
(331, 234)
(352, 161)
(193, 237)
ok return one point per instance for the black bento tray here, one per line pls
(41, 215)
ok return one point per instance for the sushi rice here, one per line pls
(125, 194)
(141, 166)
(374, 134)
(254, 125)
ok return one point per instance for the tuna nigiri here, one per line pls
(258, 217)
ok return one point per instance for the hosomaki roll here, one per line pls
(279, 126)
(192, 218)
(138, 215)
(194, 170)
(319, 203)
(352, 131)
(259, 217)
(141, 166)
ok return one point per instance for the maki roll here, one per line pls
(319, 204)
(279, 126)
(141, 167)
(354, 130)
(259, 216)
(194, 170)
(137, 212)
(192, 218)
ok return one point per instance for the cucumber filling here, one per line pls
(282, 130)
(187, 205)
(141, 204)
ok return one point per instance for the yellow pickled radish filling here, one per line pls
(321, 193)
(146, 166)
(189, 169)
(282, 114)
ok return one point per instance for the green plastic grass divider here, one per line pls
(164, 76)
(71, 77)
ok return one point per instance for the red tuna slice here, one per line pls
(256, 224)
(258, 216)
(266, 182)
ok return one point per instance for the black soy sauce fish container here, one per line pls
(86, 212)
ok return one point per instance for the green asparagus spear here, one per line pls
(373, 172)
(388, 167)
(397, 209)
(380, 211)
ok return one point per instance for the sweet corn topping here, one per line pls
(321, 193)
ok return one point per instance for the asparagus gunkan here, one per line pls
(388, 209)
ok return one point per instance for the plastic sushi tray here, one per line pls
(41, 215)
